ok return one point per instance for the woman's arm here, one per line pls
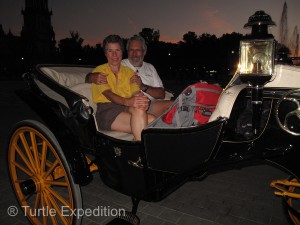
(138, 100)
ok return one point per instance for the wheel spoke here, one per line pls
(27, 197)
(37, 201)
(35, 151)
(49, 206)
(56, 183)
(51, 169)
(44, 206)
(24, 198)
(28, 151)
(56, 207)
(59, 197)
(23, 157)
(29, 173)
(43, 156)
(19, 181)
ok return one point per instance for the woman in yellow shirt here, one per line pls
(120, 104)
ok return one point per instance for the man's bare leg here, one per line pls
(159, 106)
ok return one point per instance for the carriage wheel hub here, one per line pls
(28, 187)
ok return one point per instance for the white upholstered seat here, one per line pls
(74, 79)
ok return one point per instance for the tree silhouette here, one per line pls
(192, 58)
(190, 38)
(150, 35)
(71, 48)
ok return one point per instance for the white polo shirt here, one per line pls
(148, 74)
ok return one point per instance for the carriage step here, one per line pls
(127, 219)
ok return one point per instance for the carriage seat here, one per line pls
(86, 91)
(226, 102)
(67, 76)
(73, 78)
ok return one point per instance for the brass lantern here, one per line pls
(257, 51)
(256, 65)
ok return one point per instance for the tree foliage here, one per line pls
(71, 48)
(194, 57)
(150, 35)
(190, 38)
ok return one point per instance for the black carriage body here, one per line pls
(72, 133)
(165, 158)
(271, 145)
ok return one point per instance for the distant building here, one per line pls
(35, 44)
(10, 54)
(38, 37)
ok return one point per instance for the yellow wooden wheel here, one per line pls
(293, 202)
(41, 177)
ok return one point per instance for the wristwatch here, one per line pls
(145, 87)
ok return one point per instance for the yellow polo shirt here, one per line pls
(119, 85)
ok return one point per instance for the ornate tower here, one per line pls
(37, 32)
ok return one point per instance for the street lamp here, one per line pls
(257, 60)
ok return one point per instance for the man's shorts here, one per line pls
(107, 113)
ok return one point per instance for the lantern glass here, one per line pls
(256, 59)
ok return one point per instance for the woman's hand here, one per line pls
(139, 101)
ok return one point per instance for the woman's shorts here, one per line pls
(107, 113)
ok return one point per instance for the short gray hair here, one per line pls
(137, 38)
(113, 38)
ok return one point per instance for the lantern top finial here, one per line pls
(259, 22)
(260, 18)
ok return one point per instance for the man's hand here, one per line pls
(136, 79)
(97, 78)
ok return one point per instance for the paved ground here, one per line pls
(235, 197)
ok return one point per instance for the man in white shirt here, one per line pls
(147, 76)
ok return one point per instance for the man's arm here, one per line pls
(155, 92)
(100, 78)
(96, 78)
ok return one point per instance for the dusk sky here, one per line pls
(95, 19)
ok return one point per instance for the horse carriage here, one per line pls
(257, 118)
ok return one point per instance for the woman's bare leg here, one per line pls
(138, 122)
(132, 121)
(122, 123)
